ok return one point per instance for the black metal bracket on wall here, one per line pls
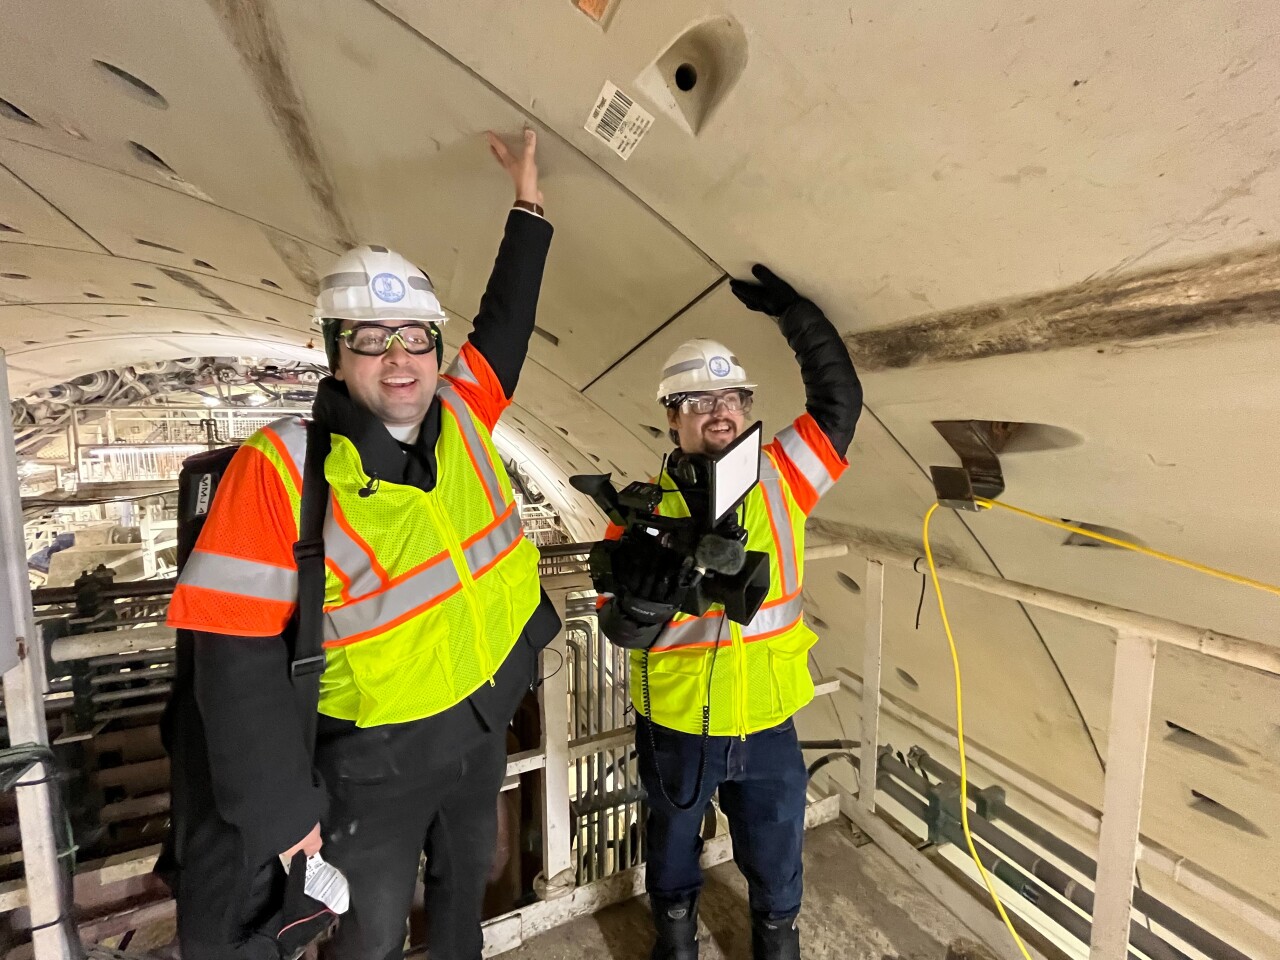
(977, 443)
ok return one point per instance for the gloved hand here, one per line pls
(648, 582)
(772, 295)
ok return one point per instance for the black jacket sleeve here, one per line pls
(510, 302)
(260, 767)
(833, 393)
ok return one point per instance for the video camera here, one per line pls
(701, 559)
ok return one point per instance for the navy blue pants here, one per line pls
(762, 782)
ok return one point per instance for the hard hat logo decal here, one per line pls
(719, 366)
(387, 287)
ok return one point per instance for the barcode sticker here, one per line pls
(324, 882)
(618, 120)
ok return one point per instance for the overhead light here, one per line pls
(211, 401)
(258, 399)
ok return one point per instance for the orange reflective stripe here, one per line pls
(771, 490)
(450, 400)
(705, 631)
(285, 446)
(350, 552)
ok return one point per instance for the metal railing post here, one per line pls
(873, 594)
(1131, 692)
(24, 706)
(558, 874)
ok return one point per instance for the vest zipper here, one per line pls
(740, 649)
(454, 546)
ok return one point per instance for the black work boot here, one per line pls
(774, 939)
(676, 922)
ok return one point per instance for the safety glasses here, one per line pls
(373, 340)
(734, 401)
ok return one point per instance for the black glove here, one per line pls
(772, 295)
(648, 581)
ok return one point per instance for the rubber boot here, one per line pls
(676, 923)
(775, 939)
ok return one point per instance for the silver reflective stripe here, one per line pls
(810, 464)
(292, 433)
(768, 621)
(421, 283)
(350, 558)
(461, 370)
(478, 452)
(350, 279)
(776, 504)
(682, 367)
(419, 591)
(244, 578)
(489, 547)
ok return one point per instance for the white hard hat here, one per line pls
(700, 365)
(374, 283)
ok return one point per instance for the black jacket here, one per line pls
(261, 775)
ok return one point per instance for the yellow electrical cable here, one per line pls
(964, 768)
(955, 658)
(1114, 541)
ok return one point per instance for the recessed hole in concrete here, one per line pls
(14, 112)
(593, 457)
(139, 88)
(150, 157)
(145, 286)
(847, 582)
(547, 335)
(146, 300)
(273, 319)
(14, 276)
(29, 343)
(563, 430)
(1190, 740)
(686, 77)
(653, 431)
(907, 679)
(1224, 815)
(1080, 540)
(155, 246)
(93, 296)
(817, 622)
(269, 283)
(114, 316)
(5, 228)
(204, 263)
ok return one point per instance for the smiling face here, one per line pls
(709, 433)
(396, 386)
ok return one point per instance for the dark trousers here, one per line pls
(441, 802)
(762, 782)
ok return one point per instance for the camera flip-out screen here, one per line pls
(734, 473)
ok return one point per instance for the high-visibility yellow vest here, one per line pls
(425, 592)
(753, 676)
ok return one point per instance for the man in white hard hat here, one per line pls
(434, 617)
(714, 698)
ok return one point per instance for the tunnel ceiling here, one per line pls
(1060, 214)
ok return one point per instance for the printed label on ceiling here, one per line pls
(618, 120)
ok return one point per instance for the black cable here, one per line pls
(706, 727)
(923, 584)
(541, 680)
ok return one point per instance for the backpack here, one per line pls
(197, 834)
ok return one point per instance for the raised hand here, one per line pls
(522, 169)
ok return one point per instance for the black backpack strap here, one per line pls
(308, 553)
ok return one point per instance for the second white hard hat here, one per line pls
(700, 365)
(374, 283)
